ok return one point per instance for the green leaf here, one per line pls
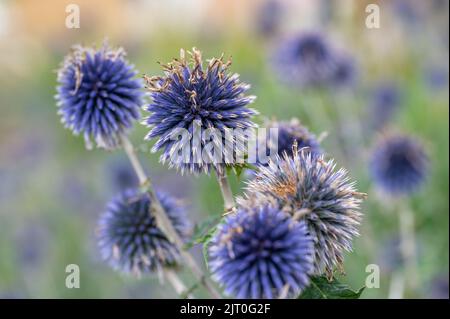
(322, 288)
(202, 232)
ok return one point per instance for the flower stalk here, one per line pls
(161, 217)
(227, 195)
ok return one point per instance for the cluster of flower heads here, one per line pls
(192, 99)
(98, 95)
(307, 60)
(398, 164)
(289, 133)
(303, 188)
(129, 239)
(299, 215)
(308, 186)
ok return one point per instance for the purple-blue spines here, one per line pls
(129, 239)
(305, 60)
(309, 187)
(192, 98)
(398, 164)
(98, 95)
(289, 132)
(260, 252)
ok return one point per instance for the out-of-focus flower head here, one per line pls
(305, 60)
(98, 95)
(345, 72)
(258, 252)
(129, 239)
(289, 132)
(191, 98)
(398, 164)
(310, 188)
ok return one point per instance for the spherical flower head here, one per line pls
(190, 98)
(399, 164)
(129, 239)
(310, 188)
(344, 74)
(257, 253)
(305, 60)
(289, 133)
(98, 95)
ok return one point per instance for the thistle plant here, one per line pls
(299, 214)
(398, 164)
(98, 94)
(189, 99)
(289, 133)
(309, 187)
(398, 167)
(129, 238)
(261, 252)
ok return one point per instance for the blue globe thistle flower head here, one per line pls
(345, 72)
(398, 165)
(259, 251)
(384, 101)
(191, 98)
(289, 132)
(98, 95)
(310, 188)
(305, 60)
(129, 239)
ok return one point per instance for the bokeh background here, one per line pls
(52, 189)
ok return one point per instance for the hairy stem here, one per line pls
(227, 194)
(162, 220)
(176, 282)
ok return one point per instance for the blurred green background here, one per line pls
(52, 189)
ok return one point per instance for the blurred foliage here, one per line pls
(52, 189)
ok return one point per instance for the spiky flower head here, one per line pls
(261, 252)
(97, 94)
(398, 164)
(310, 188)
(129, 239)
(305, 60)
(192, 98)
(289, 133)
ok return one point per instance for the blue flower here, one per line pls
(192, 99)
(308, 187)
(305, 60)
(289, 132)
(398, 164)
(129, 239)
(345, 73)
(97, 94)
(259, 252)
